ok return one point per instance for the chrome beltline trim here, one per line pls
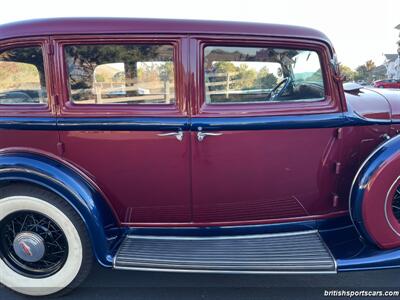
(303, 232)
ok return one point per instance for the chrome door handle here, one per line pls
(201, 135)
(178, 134)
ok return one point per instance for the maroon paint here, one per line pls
(68, 109)
(268, 174)
(370, 105)
(28, 140)
(31, 110)
(145, 176)
(375, 214)
(289, 175)
(84, 26)
(39, 141)
(393, 98)
(330, 104)
(262, 175)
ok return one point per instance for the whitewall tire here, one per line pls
(69, 263)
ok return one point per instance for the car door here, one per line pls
(393, 84)
(124, 122)
(265, 146)
(25, 96)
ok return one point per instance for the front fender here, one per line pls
(72, 185)
(371, 196)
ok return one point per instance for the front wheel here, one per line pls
(44, 246)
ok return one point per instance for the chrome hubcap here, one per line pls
(32, 244)
(29, 246)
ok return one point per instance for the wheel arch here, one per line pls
(73, 186)
(369, 194)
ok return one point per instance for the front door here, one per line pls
(263, 147)
(123, 122)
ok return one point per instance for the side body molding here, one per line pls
(370, 195)
(71, 185)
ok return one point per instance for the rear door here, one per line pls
(27, 114)
(124, 122)
(264, 140)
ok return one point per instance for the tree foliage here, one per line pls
(347, 72)
(243, 77)
(265, 79)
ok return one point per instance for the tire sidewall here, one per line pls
(72, 265)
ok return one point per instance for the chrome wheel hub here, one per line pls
(29, 246)
(32, 244)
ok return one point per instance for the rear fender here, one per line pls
(371, 196)
(74, 187)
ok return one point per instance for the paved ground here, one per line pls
(111, 284)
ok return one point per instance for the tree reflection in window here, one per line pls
(22, 76)
(121, 74)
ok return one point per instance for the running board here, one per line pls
(297, 252)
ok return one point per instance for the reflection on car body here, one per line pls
(189, 146)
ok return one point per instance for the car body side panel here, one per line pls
(264, 174)
(147, 176)
(23, 165)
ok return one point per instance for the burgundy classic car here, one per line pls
(388, 83)
(189, 146)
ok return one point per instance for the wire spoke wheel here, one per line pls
(32, 244)
(396, 204)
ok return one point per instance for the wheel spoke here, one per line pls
(13, 228)
(23, 224)
(34, 224)
(396, 204)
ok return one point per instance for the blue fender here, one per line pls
(379, 164)
(71, 185)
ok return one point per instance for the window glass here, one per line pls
(22, 78)
(256, 75)
(121, 74)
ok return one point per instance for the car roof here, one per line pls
(62, 26)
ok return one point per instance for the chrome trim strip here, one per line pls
(152, 237)
(329, 251)
(221, 271)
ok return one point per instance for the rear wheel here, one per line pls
(396, 204)
(44, 246)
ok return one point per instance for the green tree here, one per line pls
(370, 65)
(347, 72)
(246, 77)
(364, 72)
(361, 73)
(166, 71)
(265, 79)
(225, 67)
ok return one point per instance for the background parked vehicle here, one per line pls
(388, 83)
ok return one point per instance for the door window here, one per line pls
(121, 74)
(22, 76)
(235, 75)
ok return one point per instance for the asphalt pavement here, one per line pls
(112, 284)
